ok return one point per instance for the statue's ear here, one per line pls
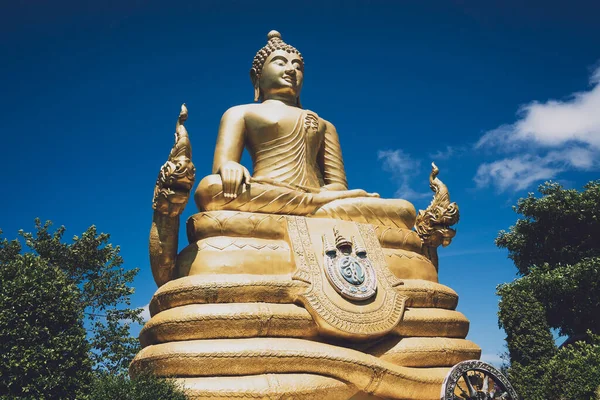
(255, 82)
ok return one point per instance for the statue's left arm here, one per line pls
(331, 161)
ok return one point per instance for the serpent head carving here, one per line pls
(433, 223)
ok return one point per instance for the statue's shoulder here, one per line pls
(243, 110)
(237, 112)
(322, 121)
(328, 125)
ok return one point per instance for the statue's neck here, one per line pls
(283, 98)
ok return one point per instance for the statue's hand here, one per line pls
(233, 175)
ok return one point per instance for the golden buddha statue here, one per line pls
(292, 285)
(296, 155)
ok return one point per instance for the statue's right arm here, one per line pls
(228, 151)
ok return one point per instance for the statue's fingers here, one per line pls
(234, 174)
(223, 174)
(227, 183)
(236, 182)
(230, 176)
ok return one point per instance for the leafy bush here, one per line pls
(45, 295)
(144, 387)
(94, 266)
(574, 373)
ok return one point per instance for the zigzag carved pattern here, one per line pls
(237, 245)
(410, 256)
(235, 223)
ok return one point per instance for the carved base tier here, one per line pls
(254, 314)
(259, 356)
(224, 336)
(234, 242)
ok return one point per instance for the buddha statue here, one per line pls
(296, 155)
(292, 285)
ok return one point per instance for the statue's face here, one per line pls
(282, 73)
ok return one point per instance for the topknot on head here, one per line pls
(273, 34)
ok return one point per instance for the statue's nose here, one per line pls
(290, 70)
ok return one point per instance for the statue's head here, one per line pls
(277, 68)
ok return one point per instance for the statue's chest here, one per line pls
(275, 129)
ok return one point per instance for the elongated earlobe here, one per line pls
(256, 83)
(256, 93)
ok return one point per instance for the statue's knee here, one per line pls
(408, 208)
(410, 213)
(208, 188)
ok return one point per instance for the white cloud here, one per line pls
(145, 313)
(520, 172)
(396, 161)
(549, 138)
(448, 152)
(402, 167)
(514, 173)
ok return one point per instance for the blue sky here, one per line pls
(501, 95)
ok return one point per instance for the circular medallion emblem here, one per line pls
(476, 380)
(352, 276)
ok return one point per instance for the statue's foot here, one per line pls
(327, 196)
(371, 210)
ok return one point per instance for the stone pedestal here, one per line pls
(254, 314)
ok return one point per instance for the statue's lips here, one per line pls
(289, 79)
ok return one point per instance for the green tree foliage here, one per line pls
(560, 228)
(46, 294)
(94, 266)
(556, 249)
(570, 295)
(528, 336)
(144, 387)
(574, 373)
(50, 291)
(529, 341)
(43, 348)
